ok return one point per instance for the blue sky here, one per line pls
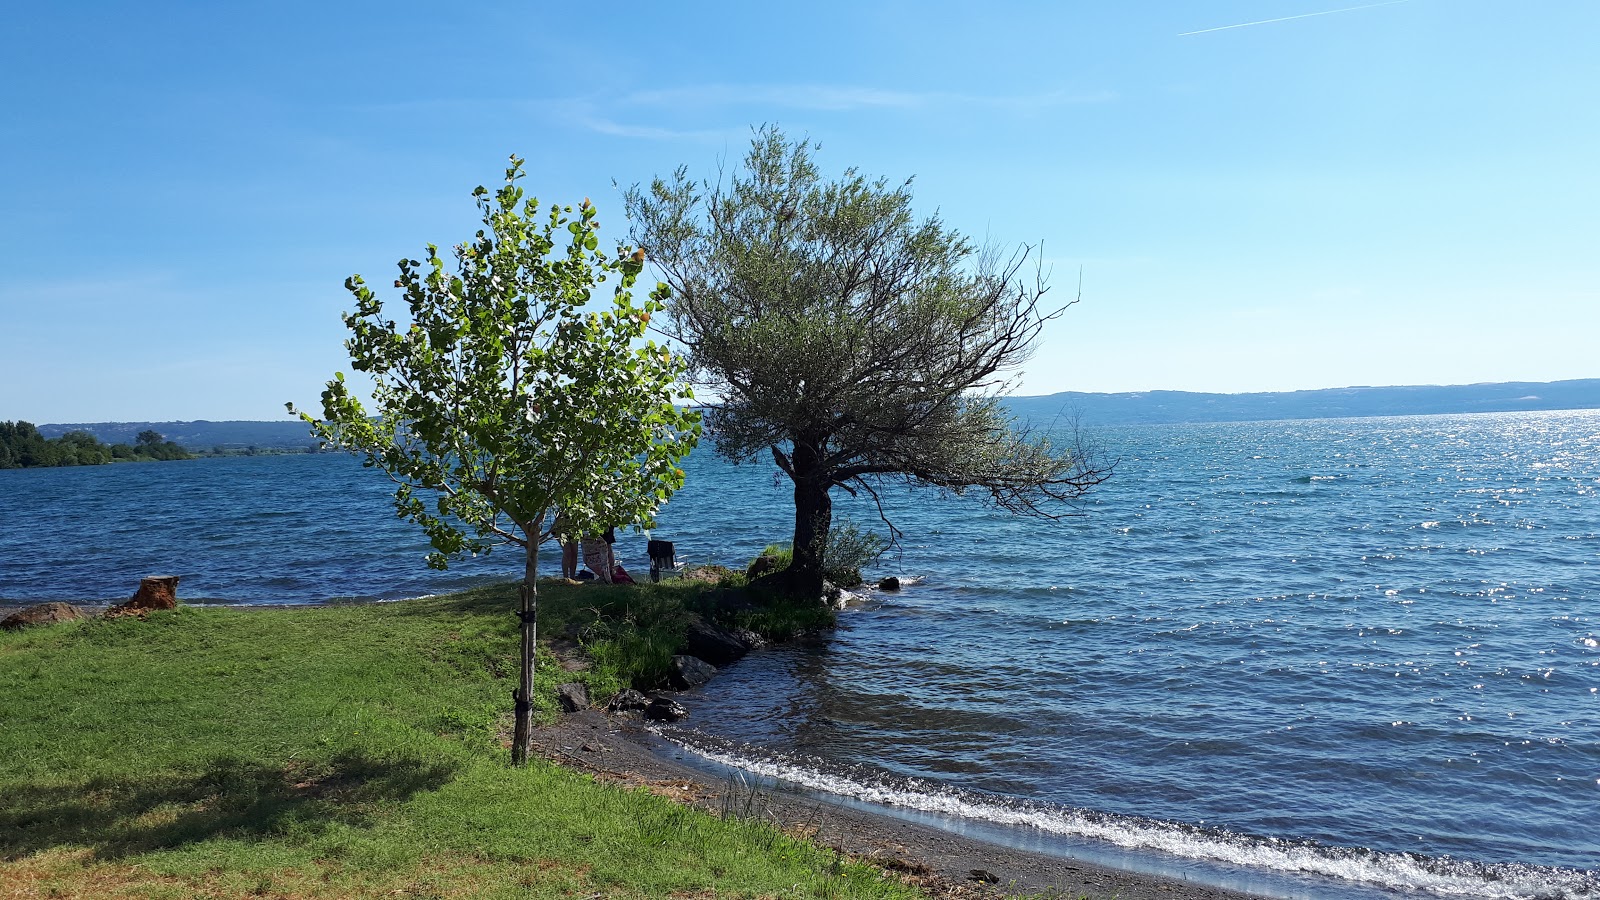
(1405, 193)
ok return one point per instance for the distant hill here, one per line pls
(200, 435)
(1142, 407)
(1166, 407)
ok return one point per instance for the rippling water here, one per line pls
(1360, 648)
(1375, 634)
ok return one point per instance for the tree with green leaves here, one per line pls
(504, 395)
(856, 343)
(22, 446)
(151, 444)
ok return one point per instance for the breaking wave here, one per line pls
(1403, 873)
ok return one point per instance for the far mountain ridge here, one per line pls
(1089, 409)
(1174, 407)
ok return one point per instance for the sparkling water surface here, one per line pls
(1362, 648)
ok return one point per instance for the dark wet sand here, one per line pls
(617, 749)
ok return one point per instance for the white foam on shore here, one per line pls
(1404, 872)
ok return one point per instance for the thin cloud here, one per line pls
(600, 114)
(1326, 12)
(844, 98)
(147, 287)
(647, 132)
(818, 97)
(585, 112)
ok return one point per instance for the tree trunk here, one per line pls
(528, 613)
(813, 516)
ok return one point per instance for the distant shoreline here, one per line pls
(246, 437)
(1184, 407)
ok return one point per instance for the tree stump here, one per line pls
(155, 592)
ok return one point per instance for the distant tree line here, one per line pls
(23, 447)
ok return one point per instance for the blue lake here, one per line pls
(1358, 649)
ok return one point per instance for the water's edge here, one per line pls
(1264, 866)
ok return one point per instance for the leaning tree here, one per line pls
(507, 395)
(855, 342)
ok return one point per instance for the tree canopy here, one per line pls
(503, 397)
(853, 341)
(22, 446)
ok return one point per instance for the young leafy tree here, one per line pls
(855, 343)
(502, 395)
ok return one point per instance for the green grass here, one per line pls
(351, 751)
(782, 554)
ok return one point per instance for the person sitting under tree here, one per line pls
(598, 555)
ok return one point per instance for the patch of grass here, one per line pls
(351, 751)
(629, 632)
(782, 619)
(781, 554)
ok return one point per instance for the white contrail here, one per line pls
(1326, 12)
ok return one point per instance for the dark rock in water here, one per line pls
(761, 565)
(690, 671)
(41, 614)
(834, 596)
(155, 592)
(573, 696)
(890, 583)
(714, 644)
(665, 709)
(628, 700)
(750, 638)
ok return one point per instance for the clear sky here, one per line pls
(1401, 193)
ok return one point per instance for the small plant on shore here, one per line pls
(849, 550)
(781, 556)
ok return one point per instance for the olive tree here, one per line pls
(856, 343)
(503, 394)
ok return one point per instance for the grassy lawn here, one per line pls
(350, 751)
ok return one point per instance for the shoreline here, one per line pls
(946, 855)
(620, 750)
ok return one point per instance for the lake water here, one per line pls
(1363, 652)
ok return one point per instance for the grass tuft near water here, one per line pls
(354, 751)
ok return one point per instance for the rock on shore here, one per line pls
(41, 614)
